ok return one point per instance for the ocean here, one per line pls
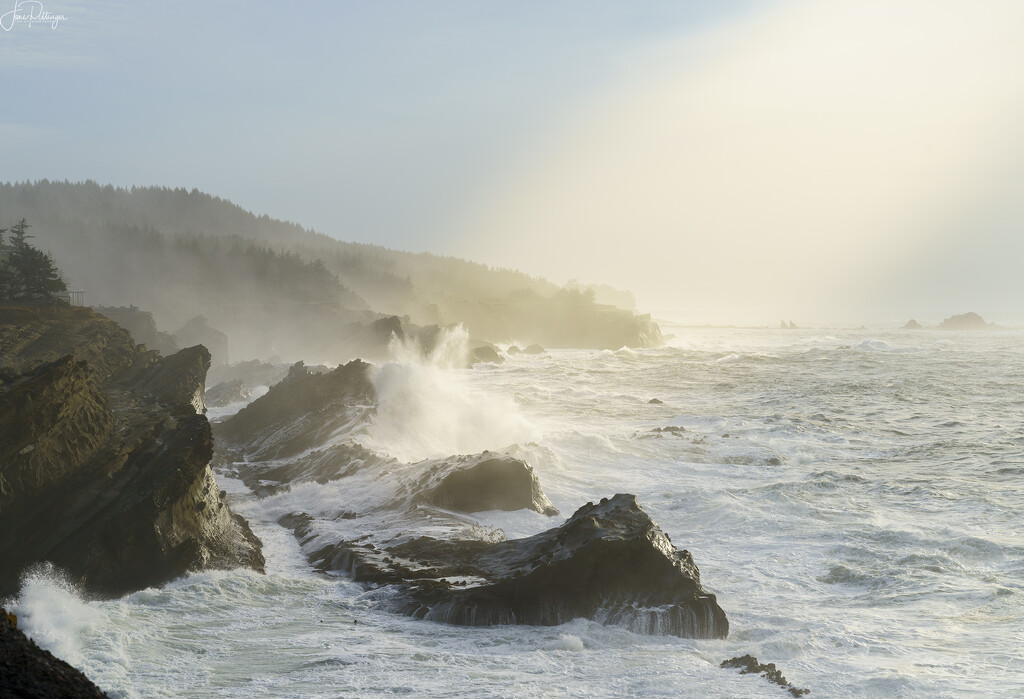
(852, 497)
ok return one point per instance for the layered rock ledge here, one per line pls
(104, 457)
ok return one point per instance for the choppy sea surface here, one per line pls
(853, 498)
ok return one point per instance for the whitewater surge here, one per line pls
(429, 407)
(853, 499)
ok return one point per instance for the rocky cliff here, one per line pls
(104, 457)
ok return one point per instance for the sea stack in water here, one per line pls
(965, 321)
(104, 457)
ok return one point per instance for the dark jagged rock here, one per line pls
(487, 355)
(227, 393)
(966, 321)
(176, 381)
(488, 482)
(197, 331)
(29, 672)
(302, 412)
(142, 327)
(912, 325)
(748, 664)
(104, 460)
(608, 562)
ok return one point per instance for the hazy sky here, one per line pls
(741, 161)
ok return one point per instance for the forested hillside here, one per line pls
(268, 283)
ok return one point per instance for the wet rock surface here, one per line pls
(748, 664)
(608, 562)
(489, 482)
(104, 457)
(404, 529)
(29, 672)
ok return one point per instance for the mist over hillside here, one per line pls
(277, 288)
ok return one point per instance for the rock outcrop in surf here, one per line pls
(486, 481)
(609, 562)
(302, 412)
(104, 457)
(401, 528)
(748, 665)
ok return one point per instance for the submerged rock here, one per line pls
(608, 562)
(748, 664)
(26, 670)
(104, 459)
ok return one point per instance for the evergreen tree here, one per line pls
(32, 274)
(6, 275)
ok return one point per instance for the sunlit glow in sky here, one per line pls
(728, 162)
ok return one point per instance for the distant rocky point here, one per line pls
(912, 325)
(966, 321)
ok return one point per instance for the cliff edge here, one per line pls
(104, 457)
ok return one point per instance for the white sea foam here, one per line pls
(52, 612)
(429, 407)
(863, 561)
